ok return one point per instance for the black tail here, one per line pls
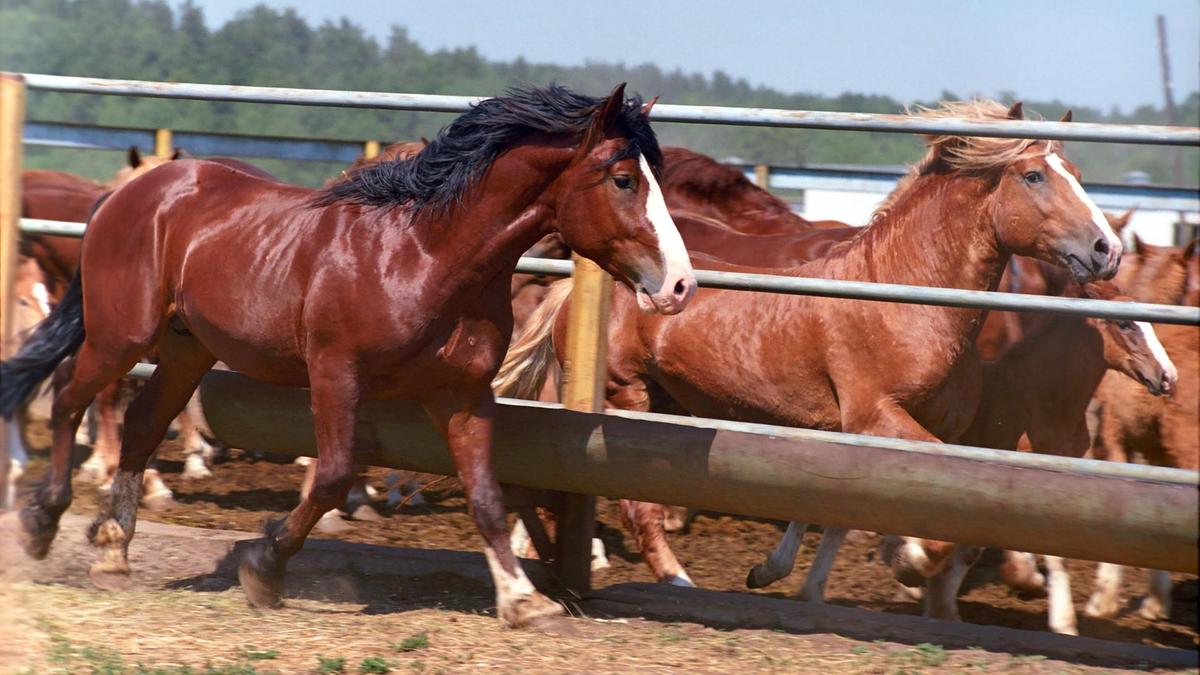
(55, 338)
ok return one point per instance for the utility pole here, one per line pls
(1181, 227)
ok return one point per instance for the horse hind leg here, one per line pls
(76, 382)
(644, 520)
(183, 362)
(781, 561)
(818, 574)
(1156, 606)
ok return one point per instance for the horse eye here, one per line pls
(623, 181)
(1125, 325)
(1034, 177)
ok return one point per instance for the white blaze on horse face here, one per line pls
(1056, 163)
(1157, 350)
(676, 264)
(42, 296)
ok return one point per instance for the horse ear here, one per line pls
(1066, 117)
(649, 106)
(1118, 223)
(135, 157)
(605, 117)
(1138, 244)
(1015, 112)
(180, 154)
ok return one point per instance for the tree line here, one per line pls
(151, 40)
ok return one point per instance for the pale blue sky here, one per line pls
(1095, 52)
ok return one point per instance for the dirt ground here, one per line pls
(73, 625)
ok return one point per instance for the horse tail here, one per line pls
(523, 372)
(56, 337)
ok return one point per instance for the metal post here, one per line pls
(163, 145)
(584, 377)
(12, 119)
(371, 149)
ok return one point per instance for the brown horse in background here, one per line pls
(856, 366)
(1160, 431)
(393, 284)
(1038, 393)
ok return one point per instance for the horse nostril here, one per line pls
(1101, 247)
(680, 288)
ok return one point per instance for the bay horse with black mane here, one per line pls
(392, 284)
(856, 366)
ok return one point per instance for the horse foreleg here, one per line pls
(781, 561)
(818, 574)
(1061, 608)
(197, 452)
(183, 361)
(101, 466)
(465, 420)
(335, 397)
(941, 590)
(644, 520)
(1156, 606)
(1106, 598)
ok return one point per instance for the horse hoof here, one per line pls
(194, 468)
(1100, 607)
(159, 502)
(332, 523)
(261, 581)
(109, 577)
(531, 611)
(37, 532)
(366, 513)
(1151, 609)
(757, 578)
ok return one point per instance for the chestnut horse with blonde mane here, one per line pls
(856, 366)
(393, 284)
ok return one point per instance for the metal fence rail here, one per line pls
(869, 180)
(832, 288)
(803, 119)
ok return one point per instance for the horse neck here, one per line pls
(940, 233)
(501, 217)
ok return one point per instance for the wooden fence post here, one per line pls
(762, 176)
(584, 376)
(371, 149)
(12, 120)
(163, 143)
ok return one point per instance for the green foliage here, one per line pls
(331, 664)
(374, 664)
(412, 643)
(151, 40)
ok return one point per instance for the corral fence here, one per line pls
(563, 454)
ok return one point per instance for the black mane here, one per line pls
(437, 177)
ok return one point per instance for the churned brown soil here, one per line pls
(717, 550)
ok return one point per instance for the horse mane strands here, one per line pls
(973, 155)
(438, 177)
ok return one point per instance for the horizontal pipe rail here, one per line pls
(833, 288)
(872, 180)
(1012, 500)
(805, 119)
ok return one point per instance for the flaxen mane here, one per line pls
(437, 177)
(972, 155)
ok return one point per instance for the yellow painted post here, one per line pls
(762, 176)
(163, 144)
(371, 149)
(585, 373)
(12, 121)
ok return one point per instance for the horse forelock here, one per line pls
(438, 177)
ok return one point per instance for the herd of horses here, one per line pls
(396, 281)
